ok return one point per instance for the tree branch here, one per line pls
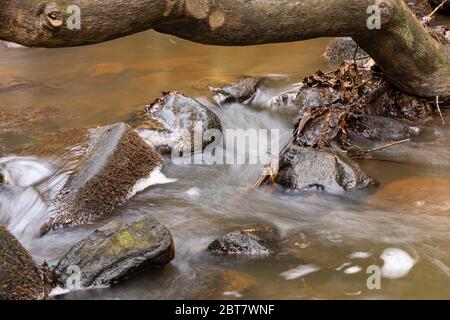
(411, 59)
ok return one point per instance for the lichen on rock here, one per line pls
(116, 158)
(117, 251)
(20, 277)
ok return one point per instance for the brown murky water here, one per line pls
(102, 84)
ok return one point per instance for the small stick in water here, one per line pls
(363, 153)
(437, 8)
(439, 109)
(388, 145)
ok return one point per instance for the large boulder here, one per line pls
(172, 121)
(20, 277)
(306, 169)
(250, 242)
(114, 161)
(117, 251)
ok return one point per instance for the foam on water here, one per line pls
(193, 192)
(353, 270)
(397, 263)
(360, 255)
(300, 271)
(23, 208)
(25, 171)
(155, 177)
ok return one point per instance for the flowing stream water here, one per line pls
(328, 241)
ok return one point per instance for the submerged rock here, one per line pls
(306, 169)
(115, 160)
(223, 282)
(108, 68)
(117, 251)
(251, 242)
(239, 91)
(415, 195)
(23, 120)
(20, 277)
(172, 121)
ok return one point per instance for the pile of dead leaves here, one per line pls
(334, 103)
(327, 102)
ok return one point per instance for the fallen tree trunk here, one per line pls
(412, 59)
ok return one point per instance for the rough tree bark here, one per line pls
(412, 60)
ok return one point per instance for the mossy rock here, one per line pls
(20, 277)
(117, 251)
(114, 160)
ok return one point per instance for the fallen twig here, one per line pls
(439, 110)
(388, 145)
(426, 20)
(437, 8)
(363, 152)
(355, 54)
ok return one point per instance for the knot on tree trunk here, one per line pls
(51, 16)
(198, 9)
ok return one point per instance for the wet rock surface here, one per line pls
(114, 160)
(117, 251)
(20, 277)
(240, 91)
(308, 169)
(172, 121)
(250, 242)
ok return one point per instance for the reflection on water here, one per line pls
(328, 242)
(102, 83)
